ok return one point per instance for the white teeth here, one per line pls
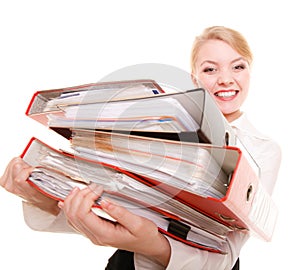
(226, 94)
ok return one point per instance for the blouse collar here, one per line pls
(243, 124)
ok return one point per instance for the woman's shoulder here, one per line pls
(245, 125)
(254, 138)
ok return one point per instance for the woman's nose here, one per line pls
(225, 78)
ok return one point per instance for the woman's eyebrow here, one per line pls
(215, 63)
(238, 59)
(207, 62)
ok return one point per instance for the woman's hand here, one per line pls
(14, 181)
(130, 232)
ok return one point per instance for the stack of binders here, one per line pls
(170, 157)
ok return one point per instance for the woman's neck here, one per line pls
(233, 116)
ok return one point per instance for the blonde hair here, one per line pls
(232, 37)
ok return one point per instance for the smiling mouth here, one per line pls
(226, 94)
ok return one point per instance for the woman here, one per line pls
(221, 61)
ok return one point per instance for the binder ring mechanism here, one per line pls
(231, 220)
(226, 138)
(248, 198)
(226, 218)
(249, 193)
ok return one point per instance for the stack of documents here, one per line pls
(170, 157)
(148, 114)
(180, 164)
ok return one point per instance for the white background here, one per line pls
(53, 44)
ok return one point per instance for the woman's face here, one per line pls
(225, 74)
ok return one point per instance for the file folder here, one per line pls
(172, 217)
(234, 197)
(208, 123)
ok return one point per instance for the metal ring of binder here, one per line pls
(249, 192)
(225, 218)
(227, 138)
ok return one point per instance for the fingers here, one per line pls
(18, 164)
(126, 233)
(78, 203)
(133, 223)
(77, 207)
(85, 199)
(15, 175)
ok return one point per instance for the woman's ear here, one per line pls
(195, 81)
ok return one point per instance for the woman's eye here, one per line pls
(239, 67)
(209, 69)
